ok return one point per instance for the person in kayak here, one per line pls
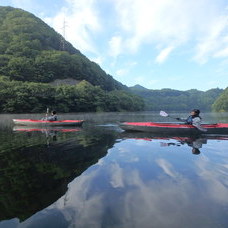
(52, 117)
(194, 119)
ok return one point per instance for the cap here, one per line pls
(197, 111)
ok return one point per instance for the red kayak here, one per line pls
(174, 128)
(31, 122)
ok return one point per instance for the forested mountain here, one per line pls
(221, 103)
(174, 100)
(18, 96)
(32, 55)
(30, 50)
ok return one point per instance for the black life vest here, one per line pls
(189, 120)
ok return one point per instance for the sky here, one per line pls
(175, 44)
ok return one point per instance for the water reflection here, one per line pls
(196, 142)
(142, 183)
(37, 164)
(50, 133)
(99, 177)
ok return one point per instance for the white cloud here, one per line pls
(163, 55)
(115, 46)
(173, 23)
(82, 22)
(126, 69)
(167, 168)
(165, 23)
(214, 43)
(105, 29)
(117, 176)
(98, 59)
(215, 179)
(155, 21)
(222, 53)
(122, 72)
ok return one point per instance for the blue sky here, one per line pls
(175, 44)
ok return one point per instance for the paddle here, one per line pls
(164, 114)
(47, 112)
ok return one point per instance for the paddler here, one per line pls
(52, 117)
(194, 119)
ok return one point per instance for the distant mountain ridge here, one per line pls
(176, 100)
(138, 87)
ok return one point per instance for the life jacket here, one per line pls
(52, 118)
(189, 120)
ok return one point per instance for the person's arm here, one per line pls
(181, 119)
(51, 118)
(196, 122)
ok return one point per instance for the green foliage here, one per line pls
(221, 103)
(32, 51)
(20, 97)
(121, 100)
(175, 100)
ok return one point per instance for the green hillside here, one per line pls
(30, 50)
(221, 103)
(175, 100)
(32, 56)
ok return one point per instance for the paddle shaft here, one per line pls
(47, 113)
(164, 114)
(172, 117)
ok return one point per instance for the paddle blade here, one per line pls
(163, 113)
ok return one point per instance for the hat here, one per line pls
(197, 111)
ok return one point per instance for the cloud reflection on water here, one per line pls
(145, 186)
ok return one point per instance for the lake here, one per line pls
(100, 176)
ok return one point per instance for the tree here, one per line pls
(221, 103)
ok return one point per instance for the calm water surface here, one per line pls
(100, 176)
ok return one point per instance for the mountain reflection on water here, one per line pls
(98, 176)
(36, 167)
